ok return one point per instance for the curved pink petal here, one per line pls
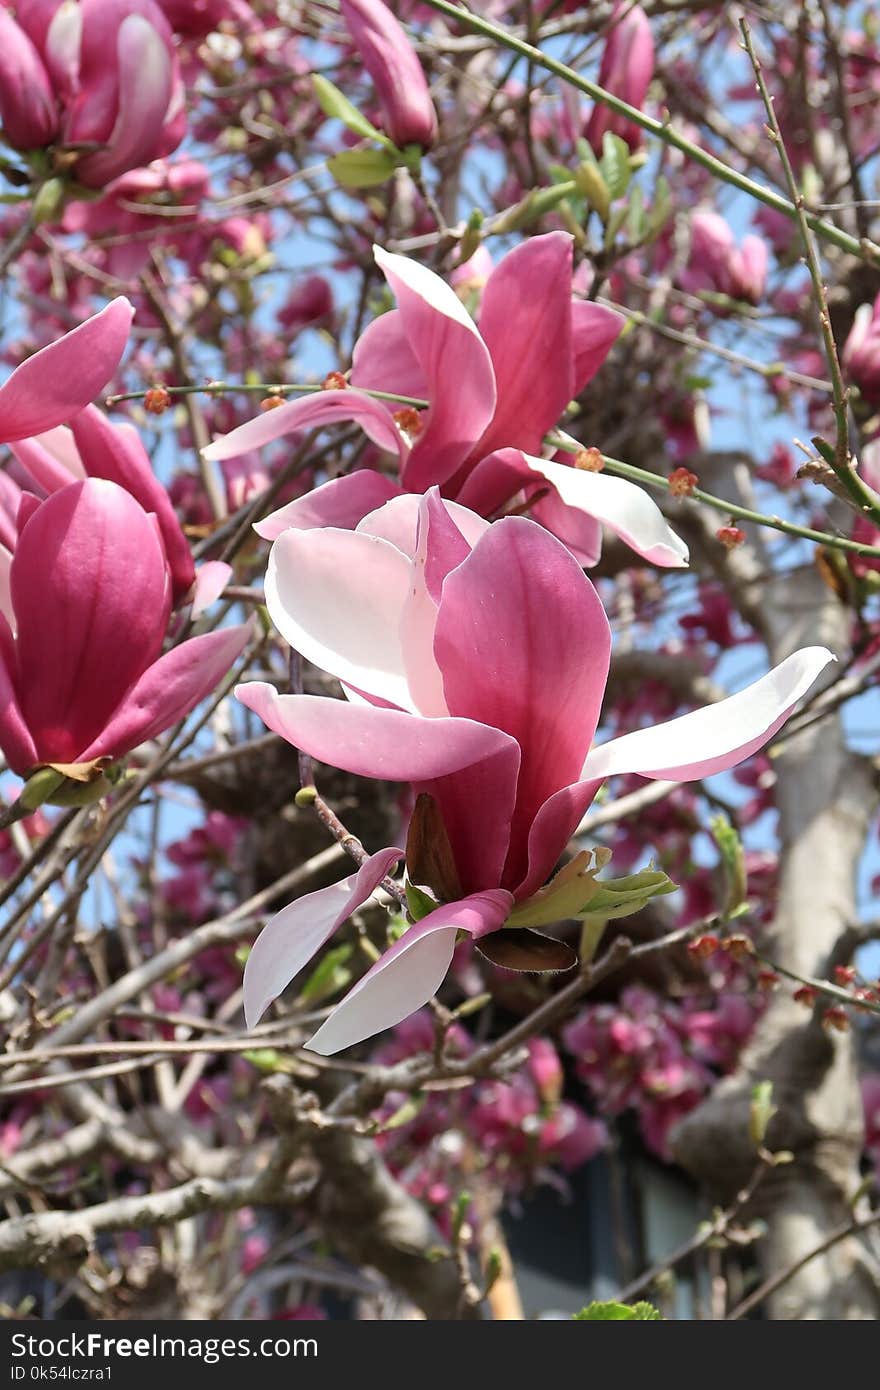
(717, 737)
(316, 411)
(338, 598)
(383, 359)
(551, 831)
(15, 739)
(115, 452)
(146, 82)
(50, 459)
(169, 690)
(623, 507)
(408, 974)
(290, 938)
(524, 646)
(464, 765)
(594, 331)
(579, 532)
(59, 380)
(210, 581)
(398, 521)
(91, 597)
(525, 322)
(456, 365)
(439, 548)
(342, 502)
(28, 107)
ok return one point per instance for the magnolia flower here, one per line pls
(389, 57)
(626, 70)
(91, 447)
(717, 263)
(475, 659)
(82, 678)
(493, 392)
(98, 74)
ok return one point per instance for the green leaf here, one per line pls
(618, 1312)
(338, 107)
(620, 897)
(362, 168)
(615, 165)
(533, 206)
(636, 219)
(733, 859)
(761, 1112)
(330, 975)
(661, 206)
(591, 186)
(404, 1113)
(419, 902)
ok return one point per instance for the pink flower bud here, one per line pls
(861, 352)
(388, 56)
(27, 105)
(716, 263)
(626, 70)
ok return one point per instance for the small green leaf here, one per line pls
(620, 897)
(329, 977)
(761, 1112)
(419, 902)
(591, 186)
(615, 165)
(362, 168)
(618, 1312)
(404, 1113)
(338, 107)
(733, 859)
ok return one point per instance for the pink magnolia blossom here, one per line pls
(390, 59)
(716, 262)
(475, 658)
(626, 70)
(92, 447)
(861, 352)
(81, 672)
(96, 73)
(493, 394)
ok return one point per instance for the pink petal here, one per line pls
(408, 974)
(383, 359)
(290, 939)
(169, 690)
(464, 765)
(316, 411)
(338, 598)
(623, 507)
(717, 737)
(594, 331)
(342, 502)
(551, 831)
(90, 593)
(524, 646)
(525, 321)
(398, 521)
(27, 103)
(15, 740)
(456, 365)
(59, 380)
(50, 459)
(146, 68)
(579, 533)
(116, 452)
(211, 579)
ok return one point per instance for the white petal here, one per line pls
(623, 507)
(717, 737)
(294, 934)
(338, 598)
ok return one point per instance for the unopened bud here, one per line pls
(334, 381)
(682, 482)
(590, 460)
(730, 536)
(836, 1018)
(806, 995)
(409, 421)
(704, 946)
(156, 400)
(271, 402)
